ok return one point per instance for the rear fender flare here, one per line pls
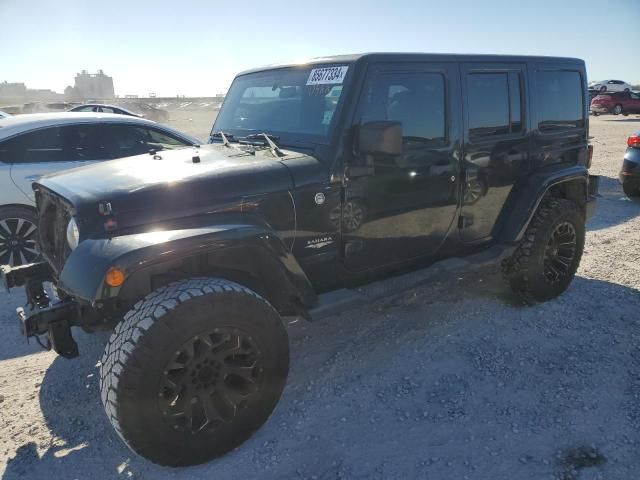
(566, 182)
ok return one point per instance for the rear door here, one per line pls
(404, 206)
(53, 149)
(496, 143)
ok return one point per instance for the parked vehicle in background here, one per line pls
(616, 103)
(593, 94)
(630, 172)
(4, 114)
(100, 108)
(34, 145)
(320, 176)
(610, 86)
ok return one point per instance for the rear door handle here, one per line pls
(33, 178)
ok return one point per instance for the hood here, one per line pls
(170, 184)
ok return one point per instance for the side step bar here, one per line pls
(338, 301)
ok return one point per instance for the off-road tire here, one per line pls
(525, 269)
(631, 187)
(150, 339)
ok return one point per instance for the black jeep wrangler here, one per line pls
(318, 177)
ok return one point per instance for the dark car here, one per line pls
(319, 177)
(616, 102)
(100, 108)
(630, 172)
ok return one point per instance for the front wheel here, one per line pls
(548, 256)
(617, 110)
(194, 370)
(18, 236)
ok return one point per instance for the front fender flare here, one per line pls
(150, 258)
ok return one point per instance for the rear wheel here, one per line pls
(617, 110)
(548, 256)
(194, 370)
(18, 243)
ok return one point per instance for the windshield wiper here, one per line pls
(224, 136)
(268, 139)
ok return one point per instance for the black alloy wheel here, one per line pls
(560, 252)
(210, 379)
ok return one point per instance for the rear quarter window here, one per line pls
(559, 100)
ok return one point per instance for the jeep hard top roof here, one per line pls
(419, 57)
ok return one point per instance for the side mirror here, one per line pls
(384, 137)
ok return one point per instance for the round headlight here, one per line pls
(73, 234)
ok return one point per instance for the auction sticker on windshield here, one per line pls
(327, 75)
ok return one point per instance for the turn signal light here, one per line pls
(633, 141)
(114, 277)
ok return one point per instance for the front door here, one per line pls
(403, 207)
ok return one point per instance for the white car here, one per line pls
(35, 145)
(610, 86)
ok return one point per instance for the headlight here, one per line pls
(73, 234)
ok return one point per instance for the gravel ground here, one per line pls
(452, 380)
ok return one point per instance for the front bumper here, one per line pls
(595, 109)
(44, 318)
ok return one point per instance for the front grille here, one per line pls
(53, 216)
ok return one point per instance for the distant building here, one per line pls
(12, 90)
(93, 85)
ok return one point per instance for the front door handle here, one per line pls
(33, 178)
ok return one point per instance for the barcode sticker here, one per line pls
(327, 76)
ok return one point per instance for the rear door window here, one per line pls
(55, 144)
(494, 103)
(559, 100)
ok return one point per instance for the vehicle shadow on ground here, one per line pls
(73, 412)
(613, 206)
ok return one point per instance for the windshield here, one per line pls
(292, 103)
